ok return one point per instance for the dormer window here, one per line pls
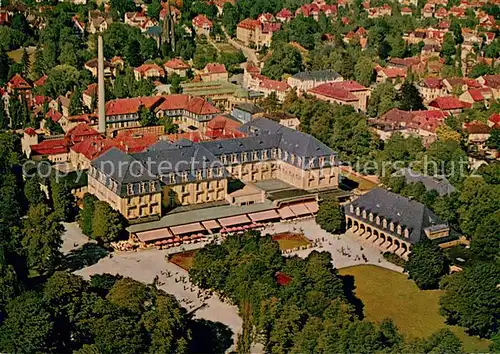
(321, 161)
(384, 223)
(255, 156)
(274, 153)
(223, 158)
(264, 155)
(171, 178)
(377, 220)
(351, 208)
(234, 158)
(391, 226)
(407, 233)
(398, 229)
(292, 158)
(152, 186)
(358, 211)
(364, 214)
(143, 187)
(370, 217)
(130, 189)
(198, 174)
(244, 157)
(184, 176)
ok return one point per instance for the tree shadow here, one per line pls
(210, 337)
(85, 256)
(349, 287)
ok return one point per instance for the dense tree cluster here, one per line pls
(330, 216)
(309, 312)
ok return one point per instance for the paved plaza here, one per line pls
(346, 250)
(73, 238)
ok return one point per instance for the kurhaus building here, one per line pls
(392, 222)
(195, 173)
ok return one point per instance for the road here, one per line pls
(248, 52)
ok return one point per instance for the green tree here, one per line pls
(147, 117)
(426, 264)
(76, 102)
(28, 326)
(330, 216)
(9, 283)
(154, 9)
(486, 239)
(4, 119)
(448, 49)
(481, 69)
(133, 53)
(5, 62)
(61, 79)
(363, 71)
(383, 98)
(285, 59)
(410, 98)
(68, 55)
(33, 192)
(175, 84)
(42, 239)
(472, 299)
(493, 141)
(25, 63)
(63, 201)
(87, 213)
(107, 224)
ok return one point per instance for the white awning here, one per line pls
(234, 220)
(153, 235)
(187, 229)
(264, 215)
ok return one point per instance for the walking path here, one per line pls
(248, 52)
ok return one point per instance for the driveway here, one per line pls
(248, 52)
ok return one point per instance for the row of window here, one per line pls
(381, 221)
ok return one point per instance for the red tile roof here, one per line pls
(215, 68)
(271, 27)
(274, 85)
(448, 103)
(196, 105)
(476, 127)
(90, 118)
(339, 90)
(393, 73)
(91, 90)
(284, 13)
(432, 83)
(195, 137)
(283, 279)
(54, 115)
(40, 81)
(176, 64)
(40, 100)
(144, 68)
(492, 81)
(123, 106)
(201, 21)
(477, 95)
(19, 83)
(249, 24)
(494, 119)
(80, 132)
(50, 147)
(30, 131)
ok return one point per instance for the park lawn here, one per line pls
(288, 240)
(388, 294)
(17, 54)
(183, 259)
(226, 48)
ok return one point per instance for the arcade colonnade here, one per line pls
(379, 238)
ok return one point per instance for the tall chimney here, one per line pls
(100, 80)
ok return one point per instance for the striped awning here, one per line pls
(153, 235)
(211, 225)
(312, 207)
(264, 215)
(234, 220)
(285, 212)
(187, 229)
(299, 209)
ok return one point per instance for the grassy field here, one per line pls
(17, 54)
(183, 259)
(226, 47)
(290, 240)
(387, 294)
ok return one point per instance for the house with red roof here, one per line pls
(384, 10)
(124, 112)
(266, 18)
(449, 104)
(494, 120)
(147, 71)
(202, 25)
(477, 135)
(139, 20)
(284, 15)
(222, 127)
(349, 93)
(392, 75)
(89, 95)
(406, 11)
(176, 66)
(308, 10)
(41, 81)
(268, 86)
(214, 72)
(477, 95)
(253, 33)
(190, 113)
(491, 81)
(431, 88)
(17, 84)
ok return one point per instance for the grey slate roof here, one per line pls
(318, 76)
(439, 184)
(398, 209)
(249, 107)
(291, 140)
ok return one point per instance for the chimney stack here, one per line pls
(101, 98)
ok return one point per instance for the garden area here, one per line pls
(388, 294)
(289, 240)
(183, 259)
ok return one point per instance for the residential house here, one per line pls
(253, 33)
(431, 88)
(124, 112)
(284, 15)
(344, 93)
(90, 95)
(449, 104)
(478, 134)
(477, 95)
(98, 21)
(392, 75)
(215, 72)
(491, 81)
(307, 80)
(17, 84)
(93, 64)
(202, 25)
(176, 66)
(148, 71)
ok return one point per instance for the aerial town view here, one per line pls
(250, 176)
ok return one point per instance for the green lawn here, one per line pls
(388, 294)
(17, 54)
(226, 47)
(360, 183)
(183, 259)
(289, 241)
